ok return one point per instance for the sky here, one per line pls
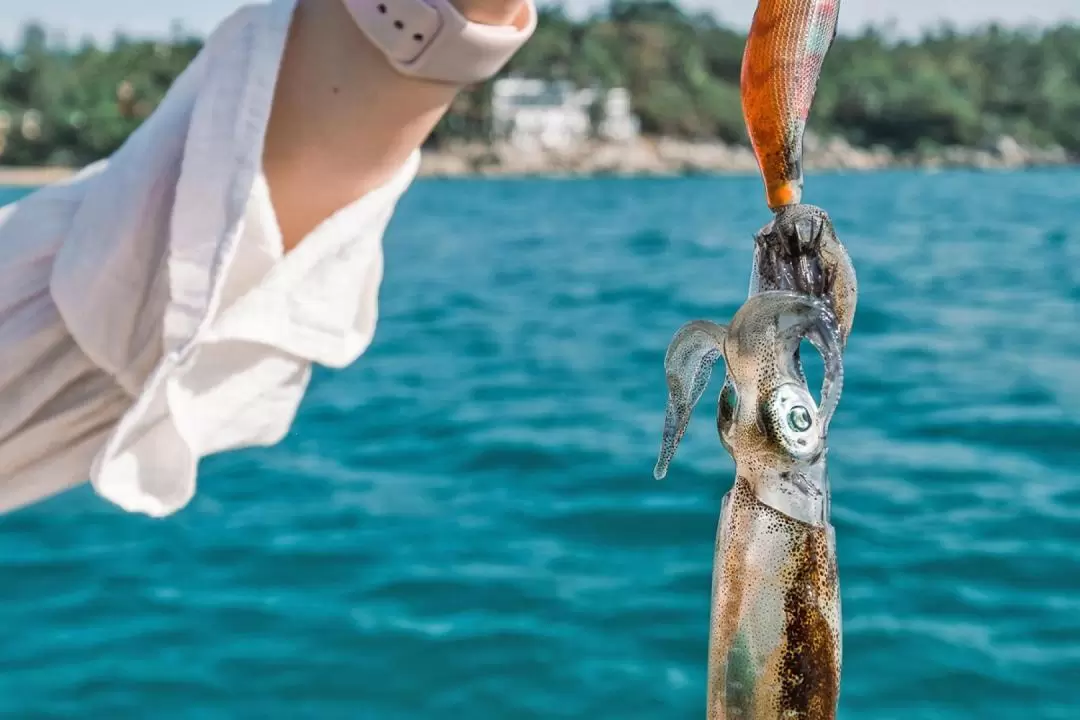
(102, 18)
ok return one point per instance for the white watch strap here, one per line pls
(431, 39)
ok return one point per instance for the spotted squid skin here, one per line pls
(775, 640)
(782, 62)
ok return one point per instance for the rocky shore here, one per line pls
(669, 157)
(663, 156)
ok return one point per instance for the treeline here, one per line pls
(66, 105)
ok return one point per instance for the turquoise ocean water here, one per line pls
(464, 524)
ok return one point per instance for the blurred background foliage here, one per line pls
(68, 105)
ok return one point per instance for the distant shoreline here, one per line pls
(660, 157)
(33, 176)
(666, 157)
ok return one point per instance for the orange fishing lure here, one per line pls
(784, 53)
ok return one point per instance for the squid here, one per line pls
(775, 640)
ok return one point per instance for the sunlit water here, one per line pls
(464, 524)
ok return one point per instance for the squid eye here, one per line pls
(799, 419)
(790, 419)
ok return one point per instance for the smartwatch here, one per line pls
(432, 40)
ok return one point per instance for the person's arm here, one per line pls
(343, 120)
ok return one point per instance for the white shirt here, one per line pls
(168, 280)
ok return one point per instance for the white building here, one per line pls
(534, 114)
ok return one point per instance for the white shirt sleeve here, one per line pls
(176, 236)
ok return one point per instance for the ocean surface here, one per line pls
(464, 523)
